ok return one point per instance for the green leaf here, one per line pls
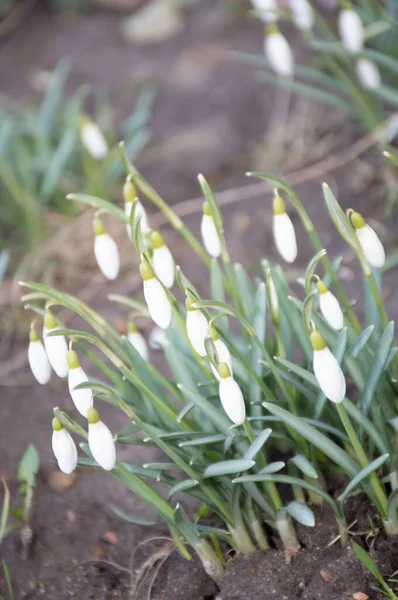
(207, 408)
(256, 446)
(217, 289)
(183, 412)
(312, 268)
(301, 513)
(273, 467)
(258, 322)
(245, 290)
(214, 207)
(100, 204)
(377, 367)
(361, 342)
(228, 467)
(304, 465)
(208, 439)
(131, 518)
(363, 474)
(5, 510)
(8, 581)
(339, 218)
(371, 567)
(29, 466)
(58, 163)
(182, 486)
(51, 106)
(185, 526)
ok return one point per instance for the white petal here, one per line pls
(368, 74)
(302, 14)
(137, 340)
(38, 362)
(371, 246)
(93, 140)
(107, 255)
(232, 400)
(65, 451)
(266, 9)
(285, 237)
(158, 304)
(163, 264)
(351, 30)
(331, 310)
(83, 399)
(139, 210)
(279, 54)
(57, 351)
(224, 356)
(210, 238)
(329, 375)
(197, 329)
(102, 446)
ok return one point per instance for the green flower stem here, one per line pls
(180, 545)
(378, 299)
(362, 458)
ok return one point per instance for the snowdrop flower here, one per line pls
(231, 396)
(330, 306)
(197, 327)
(105, 250)
(156, 298)
(137, 340)
(284, 234)
(82, 399)
(64, 447)
(327, 370)
(368, 74)
(100, 441)
(302, 13)
(351, 30)
(55, 346)
(162, 260)
(131, 202)
(38, 360)
(278, 52)
(93, 139)
(266, 9)
(210, 237)
(369, 241)
(223, 353)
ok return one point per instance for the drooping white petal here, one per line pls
(329, 375)
(302, 14)
(137, 340)
(279, 54)
(266, 10)
(331, 310)
(371, 246)
(93, 140)
(197, 328)
(351, 30)
(368, 74)
(101, 444)
(38, 362)
(83, 399)
(224, 356)
(211, 240)
(232, 400)
(65, 451)
(163, 264)
(285, 237)
(158, 304)
(139, 210)
(57, 351)
(107, 255)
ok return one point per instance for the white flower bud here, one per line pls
(210, 237)
(302, 13)
(106, 251)
(139, 211)
(137, 340)
(197, 328)
(351, 30)
(369, 241)
(279, 53)
(64, 448)
(100, 441)
(82, 399)
(93, 140)
(266, 10)
(223, 355)
(231, 396)
(55, 346)
(156, 298)
(368, 74)
(284, 234)
(327, 370)
(162, 260)
(330, 307)
(38, 360)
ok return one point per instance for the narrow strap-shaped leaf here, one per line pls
(361, 342)
(311, 269)
(301, 513)
(187, 484)
(208, 439)
(215, 415)
(256, 446)
(100, 204)
(183, 413)
(304, 465)
(339, 217)
(132, 519)
(372, 568)
(363, 474)
(273, 467)
(185, 526)
(258, 321)
(228, 467)
(245, 290)
(377, 367)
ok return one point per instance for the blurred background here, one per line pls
(186, 85)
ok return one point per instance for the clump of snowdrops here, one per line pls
(253, 366)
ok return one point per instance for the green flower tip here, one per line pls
(271, 28)
(278, 204)
(99, 227)
(146, 271)
(56, 424)
(129, 190)
(49, 321)
(84, 120)
(92, 416)
(206, 209)
(73, 361)
(213, 334)
(33, 337)
(156, 239)
(223, 370)
(189, 303)
(322, 287)
(357, 220)
(317, 340)
(131, 327)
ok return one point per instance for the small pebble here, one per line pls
(111, 537)
(326, 575)
(360, 596)
(59, 481)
